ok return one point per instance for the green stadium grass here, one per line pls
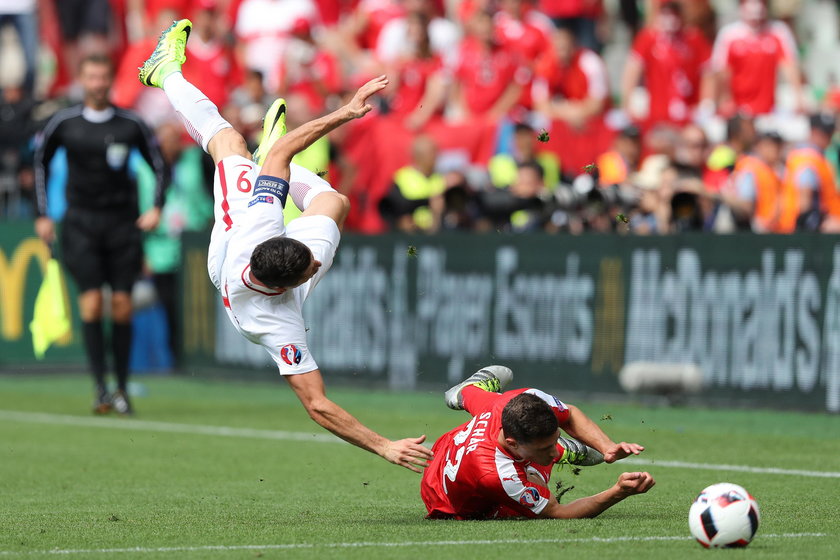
(97, 491)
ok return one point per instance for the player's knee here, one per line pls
(90, 305)
(227, 142)
(121, 307)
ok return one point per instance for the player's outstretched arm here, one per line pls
(282, 152)
(628, 484)
(309, 387)
(582, 428)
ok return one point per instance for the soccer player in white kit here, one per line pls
(263, 270)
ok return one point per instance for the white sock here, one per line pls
(303, 194)
(200, 115)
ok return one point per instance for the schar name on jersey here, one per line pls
(478, 432)
(268, 199)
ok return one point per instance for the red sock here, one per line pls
(477, 400)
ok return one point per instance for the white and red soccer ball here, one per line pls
(724, 515)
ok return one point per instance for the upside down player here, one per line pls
(498, 464)
(263, 270)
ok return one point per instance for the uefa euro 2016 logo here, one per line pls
(290, 354)
(529, 497)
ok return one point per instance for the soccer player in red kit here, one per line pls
(498, 464)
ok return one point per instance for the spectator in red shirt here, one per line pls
(418, 78)
(670, 59)
(746, 57)
(489, 78)
(308, 69)
(571, 82)
(367, 21)
(522, 30)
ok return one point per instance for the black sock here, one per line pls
(121, 344)
(95, 348)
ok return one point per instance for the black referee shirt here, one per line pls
(98, 145)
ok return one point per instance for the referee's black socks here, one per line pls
(94, 341)
(121, 344)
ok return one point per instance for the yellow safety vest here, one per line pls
(414, 185)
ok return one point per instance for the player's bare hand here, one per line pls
(409, 453)
(621, 450)
(358, 106)
(149, 220)
(631, 483)
(45, 229)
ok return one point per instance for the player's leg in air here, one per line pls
(479, 390)
(217, 137)
(200, 115)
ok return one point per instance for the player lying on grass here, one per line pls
(263, 270)
(498, 464)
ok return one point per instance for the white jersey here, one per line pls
(244, 219)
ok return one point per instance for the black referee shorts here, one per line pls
(78, 17)
(99, 247)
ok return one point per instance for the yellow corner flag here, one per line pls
(50, 321)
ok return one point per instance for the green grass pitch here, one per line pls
(166, 484)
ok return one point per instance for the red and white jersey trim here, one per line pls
(527, 496)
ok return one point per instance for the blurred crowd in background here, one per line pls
(628, 116)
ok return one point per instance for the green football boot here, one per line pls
(274, 126)
(490, 378)
(168, 56)
(577, 453)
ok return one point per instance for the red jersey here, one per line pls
(570, 8)
(485, 74)
(210, 68)
(672, 71)
(313, 75)
(472, 477)
(376, 13)
(584, 76)
(413, 76)
(752, 59)
(521, 37)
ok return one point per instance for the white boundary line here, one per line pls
(169, 427)
(733, 468)
(226, 431)
(293, 546)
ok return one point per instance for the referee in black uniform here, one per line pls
(101, 238)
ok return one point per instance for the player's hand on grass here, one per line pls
(621, 450)
(409, 453)
(149, 220)
(358, 106)
(631, 483)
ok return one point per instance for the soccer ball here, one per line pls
(724, 515)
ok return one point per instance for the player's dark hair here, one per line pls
(527, 418)
(280, 262)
